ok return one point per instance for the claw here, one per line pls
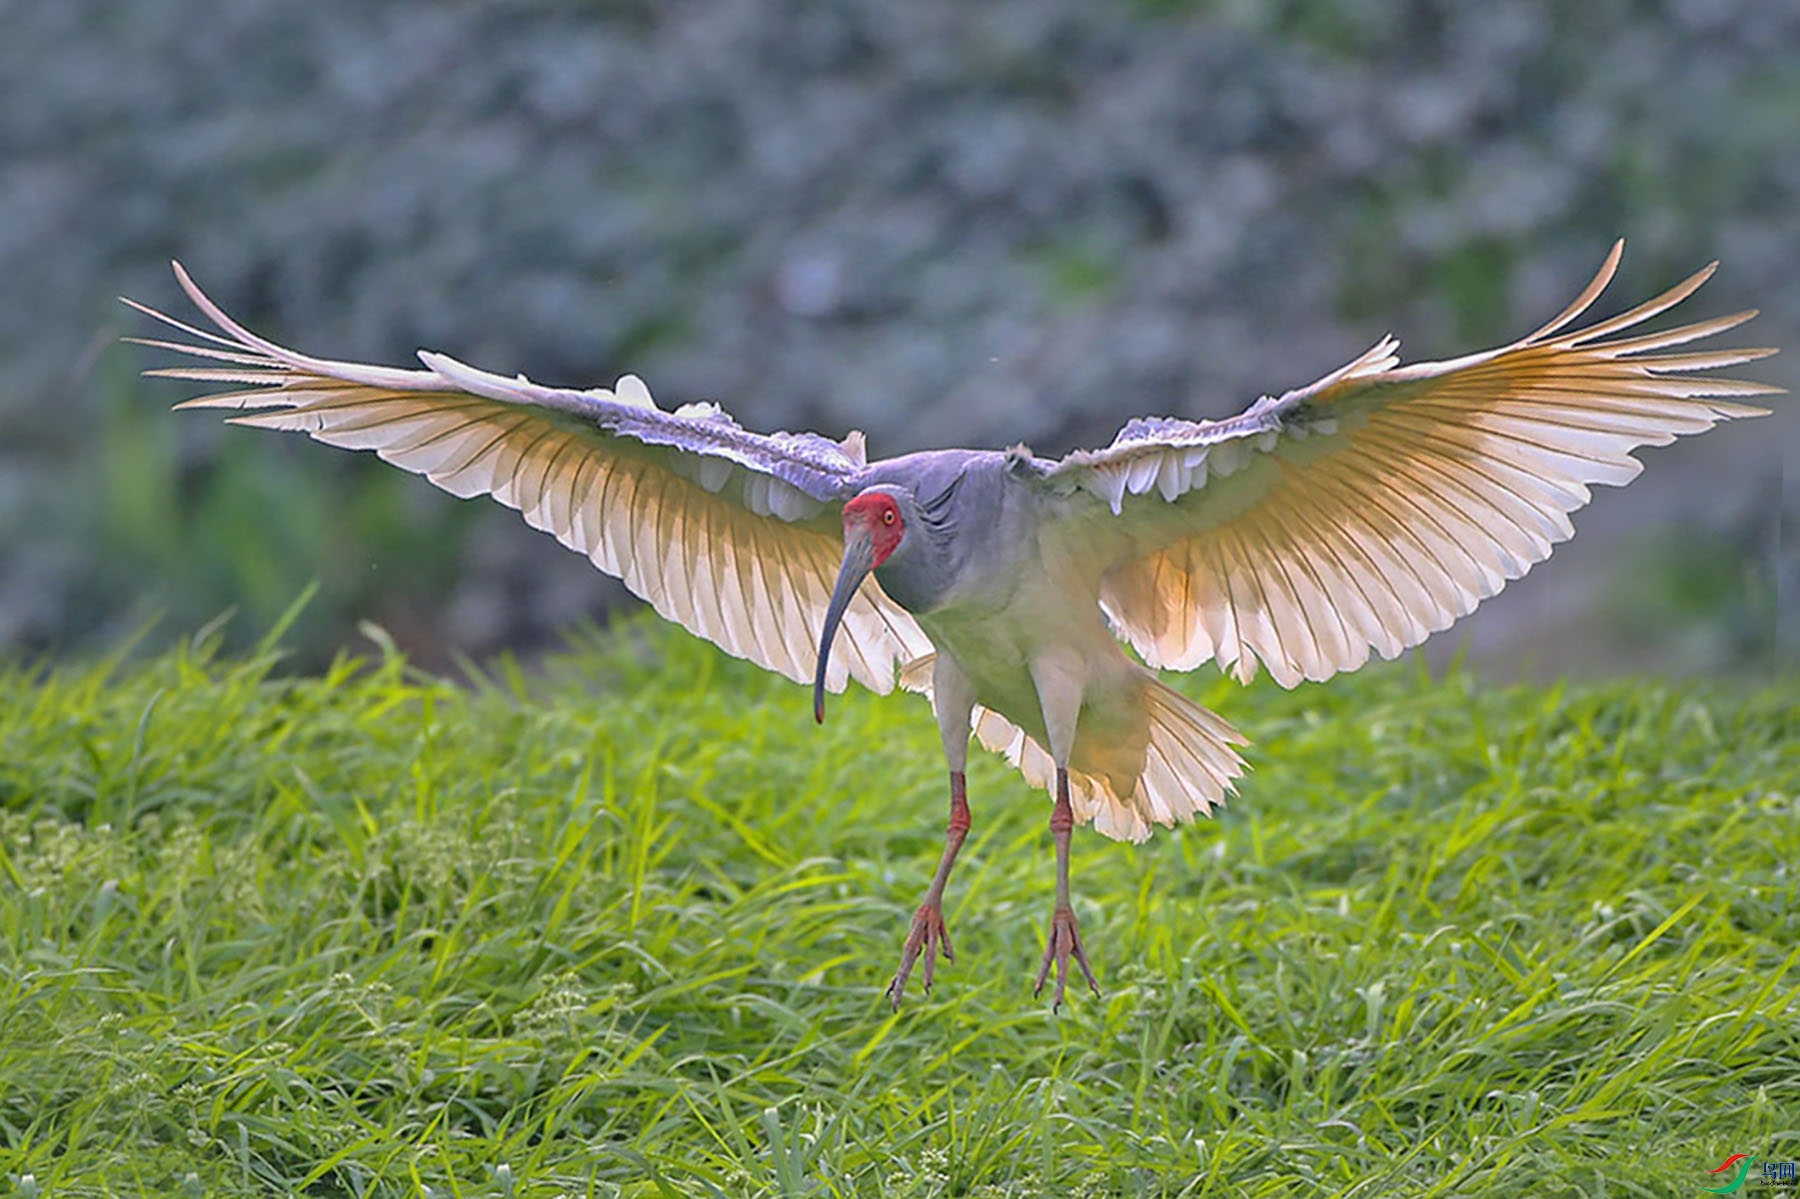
(929, 937)
(1063, 943)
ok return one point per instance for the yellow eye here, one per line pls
(887, 517)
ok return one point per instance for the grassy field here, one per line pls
(622, 928)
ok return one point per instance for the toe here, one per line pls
(1064, 942)
(1037, 988)
(927, 938)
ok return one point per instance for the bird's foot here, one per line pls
(1064, 942)
(928, 937)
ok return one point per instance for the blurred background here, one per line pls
(939, 222)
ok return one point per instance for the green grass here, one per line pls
(622, 928)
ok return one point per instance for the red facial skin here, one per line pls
(879, 516)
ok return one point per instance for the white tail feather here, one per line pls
(1189, 765)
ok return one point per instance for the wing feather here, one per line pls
(1382, 503)
(731, 534)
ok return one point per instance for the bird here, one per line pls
(1037, 602)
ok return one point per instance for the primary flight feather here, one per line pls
(1357, 515)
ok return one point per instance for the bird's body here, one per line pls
(1000, 615)
(1354, 516)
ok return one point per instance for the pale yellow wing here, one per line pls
(1375, 507)
(734, 535)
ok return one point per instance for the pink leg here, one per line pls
(928, 935)
(1065, 936)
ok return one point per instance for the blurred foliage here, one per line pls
(1078, 273)
(1710, 600)
(189, 536)
(938, 224)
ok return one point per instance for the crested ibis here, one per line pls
(1356, 515)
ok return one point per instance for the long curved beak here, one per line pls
(859, 560)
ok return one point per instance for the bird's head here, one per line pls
(874, 526)
(878, 516)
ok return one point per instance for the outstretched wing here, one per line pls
(1381, 503)
(734, 535)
